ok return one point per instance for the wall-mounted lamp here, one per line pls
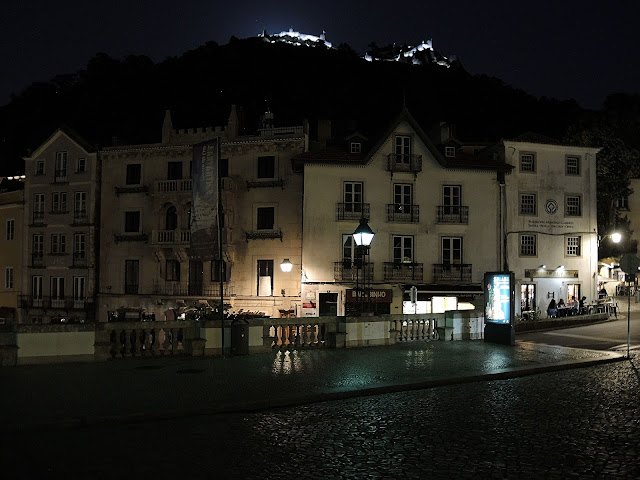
(560, 268)
(286, 265)
(542, 267)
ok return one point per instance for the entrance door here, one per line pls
(327, 304)
(195, 277)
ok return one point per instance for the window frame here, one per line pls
(355, 147)
(259, 224)
(58, 243)
(567, 207)
(10, 230)
(398, 251)
(172, 270)
(79, 245)
(215, 271)
(532, 246)
(577, 171)
(131, 174)
(40, 171)
(61, 161)
(534, 162)
(81, 165)
(266, 263)
(573, 249)
(263, 169)
(449, 151)
(9, 278)
(452, 249)
(522, 204)
(129, 219)
(59, 202)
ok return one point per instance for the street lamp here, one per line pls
(363, 236)
(616, 237)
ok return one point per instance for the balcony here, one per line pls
(79, 260)
(60, 176)
(38, 218)
(176, 237)
(176, 289)
(403, 213)
(173, 186)
(263, 235)
(352, 211)
(131, 189)
(396, 271)
(80, 217)
(37, 259)
(453, 214)
(266, 184)
(450, 272)
(404, 162)
(57, 303)
(346, 271)
(140, 237)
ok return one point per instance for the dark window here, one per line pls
(171, 218)
(172, 271)
(82, 165)
(134, 174)
(266, 218)
(131, 270)
(195, 277)
(267, 167)
(215, 270)
(224, 167)
(132, 221)
(174, 171)
(40, 167)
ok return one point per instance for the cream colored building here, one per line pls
(146, 269)
(60, 217)
(550, 221)
(433, 213)
(11, 242)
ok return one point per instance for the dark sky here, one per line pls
(563, 48)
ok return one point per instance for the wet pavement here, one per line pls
(127, 390)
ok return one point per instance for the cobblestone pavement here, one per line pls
(579, 423)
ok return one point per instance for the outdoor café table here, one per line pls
(564, 311)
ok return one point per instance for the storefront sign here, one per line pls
(308, 305)
(374, 295)
(499, 297)
(551, 273)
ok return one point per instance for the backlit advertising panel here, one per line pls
(499, 297)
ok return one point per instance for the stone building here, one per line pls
(60, 224)
(11, 212)
(146, 268)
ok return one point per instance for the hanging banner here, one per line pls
(204, 201)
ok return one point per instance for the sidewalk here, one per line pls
(126, 390)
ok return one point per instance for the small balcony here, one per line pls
(403, 213)
(176, 289)
(80, 217)
(79, 260)
(346, 271)
(55, 303)
(453, 273)
(453, 214)
(131, 189)
(37, 259)
(352, 211)
(38, 218)
(175, 237)
(397, 271)
(404, 162)
(60, 176)
(174, 186)
(263, 235)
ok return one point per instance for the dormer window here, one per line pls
(450, 152)
(356, 147)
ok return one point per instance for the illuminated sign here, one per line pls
(374, 295)
(498, 297)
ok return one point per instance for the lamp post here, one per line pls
(363, 236)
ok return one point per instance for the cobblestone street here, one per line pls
(580, 423)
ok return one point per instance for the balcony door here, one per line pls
(402, 197)
(36, 290)
(353, 197)
(79, 291)
(196, 274)
(451, 199)
(403, 148)
(451, 250)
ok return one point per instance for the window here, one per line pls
(80, 205)
(267, 167)
(265, 278)
(355, 147)
(79, 245)
(81, 165)
(172, 271)
(215, 270)
(573, 206)
(37, 245)
(38, 207)
(174, 171)
(36, 290)
(451, 250)
(450, 152)
(402, 249)
(402, 148)
(528, 245)
(11, 229)
(57, 288)
(58, 243)
(573, 246)
(131, 269)
(134, 174)
(527, 297)
(528, 204)
(451, 199)
(59, 202)
(528, 162)
(402, 197)
(622, 203)
(171, 218)
(350, 252)
(266, 218)
(8, 278)
(573, 165)
(353, 196)
(40, 167)
(132, 222)
(224, 167)
(79, 291)
(61, 164)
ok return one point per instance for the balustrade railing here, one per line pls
(172, 186)
(415, 329)
(297, 334)
(141, 341)
(172, 236)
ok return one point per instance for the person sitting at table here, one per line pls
(562, 309)
(552, 310)
(602, 293)
(574, 306)
(583, 309)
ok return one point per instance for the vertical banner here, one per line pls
(498, 297)
(204, 201)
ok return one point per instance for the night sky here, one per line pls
(563, 48)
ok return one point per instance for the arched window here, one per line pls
(171, 219)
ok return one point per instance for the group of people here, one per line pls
(574, 307)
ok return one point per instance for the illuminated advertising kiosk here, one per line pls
(499, 307)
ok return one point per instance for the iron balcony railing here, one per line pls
(451, 272)
(453, 214)
(346, 271)
(79, 259)
(403, 213)
(404, 162)
(80, 216)
(60, 176)
(352, 211)
(38, 217)
(53, 302)
(177, 289)
(397, 271)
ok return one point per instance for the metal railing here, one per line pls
(60, 176)
(346, 271)
(352, 211)
(403, 271)
(451, 272)
(38, 217)
(404, 162)
(453, 214)
(54, 302)
(403, 213)
(183, 290)
(80, 216)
